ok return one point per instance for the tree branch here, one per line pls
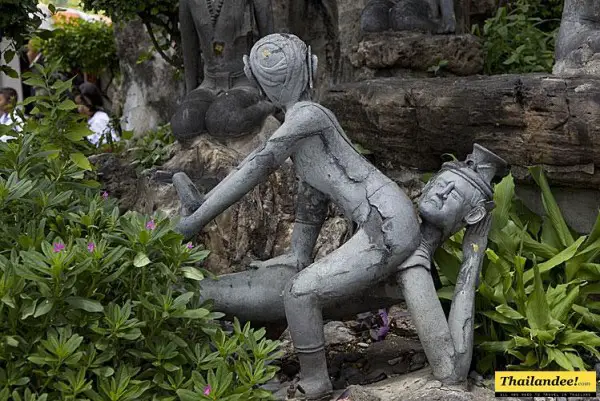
(168, 59)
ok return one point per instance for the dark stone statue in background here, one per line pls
(578, 42)
(434, 16)
(215, 36)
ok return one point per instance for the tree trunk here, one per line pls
(526, 119)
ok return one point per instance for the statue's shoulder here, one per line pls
(311, 111)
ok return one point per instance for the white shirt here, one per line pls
(8, 119)
(100, 126)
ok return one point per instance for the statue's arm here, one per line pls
(462, 311)
(255, 169)
(190, 46)
(263, 12)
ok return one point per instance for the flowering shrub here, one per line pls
(98, 306)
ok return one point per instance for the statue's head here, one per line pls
(461, 193)
(282, 66)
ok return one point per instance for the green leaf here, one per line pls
(43, 308)
(562, 257)
(192, 273)
(589, 318)
(551, 207)
(141, 260)
(509, 312)
(87, 305)
(563, 307)
(557, 356)
(77, 133)
(538, 313)
(80, 161)
(67, 105)
(196, 313)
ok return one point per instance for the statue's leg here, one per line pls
(237, 112)
(189, 118)
(364, 260)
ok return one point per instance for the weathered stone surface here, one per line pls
(528, 119)
(418, 51)
(416, 386)
(150, 90)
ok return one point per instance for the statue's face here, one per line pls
(447, 200)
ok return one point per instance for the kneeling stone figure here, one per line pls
(328, 168)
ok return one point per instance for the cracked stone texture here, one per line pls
(419, 52)
(149, 91)
(527, 119)
(418, 386)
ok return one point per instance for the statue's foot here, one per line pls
(315, 390)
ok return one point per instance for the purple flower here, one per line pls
(382, 327)
(91, 247)
(105, 195)
(207, 390)
(150, 225)
(58, 247)
(189, 245)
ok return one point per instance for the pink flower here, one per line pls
(207, 390)
(150, 225)
(91, 247)
(189, 245)
(105, 195)
(58, 247)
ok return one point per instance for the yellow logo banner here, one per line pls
(545, 384)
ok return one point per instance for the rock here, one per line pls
(421, 385)
(401, 321)
(363, 345)
(527, 119)
(357, 393)
(150, 90)
(419, 52)
(336, 333)
(119, 179)
(396, 355)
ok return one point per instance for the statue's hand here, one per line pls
(189, 196)
(288, 259)
(476, 237)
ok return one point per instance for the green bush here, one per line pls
(534, 304)
(151, 149)
(87, 46)
(520, 38)
(99, 306)
(161, 18)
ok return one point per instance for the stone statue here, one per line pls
(328, 168)
(434, 16)
(460, 195)
(578, 42)
(220, 99)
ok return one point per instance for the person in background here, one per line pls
(90, 104)
(8, 101)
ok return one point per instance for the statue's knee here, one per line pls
(189, 118)
(236, 113)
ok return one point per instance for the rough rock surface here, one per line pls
(419, 52)
(150, 90)
(527, 119)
